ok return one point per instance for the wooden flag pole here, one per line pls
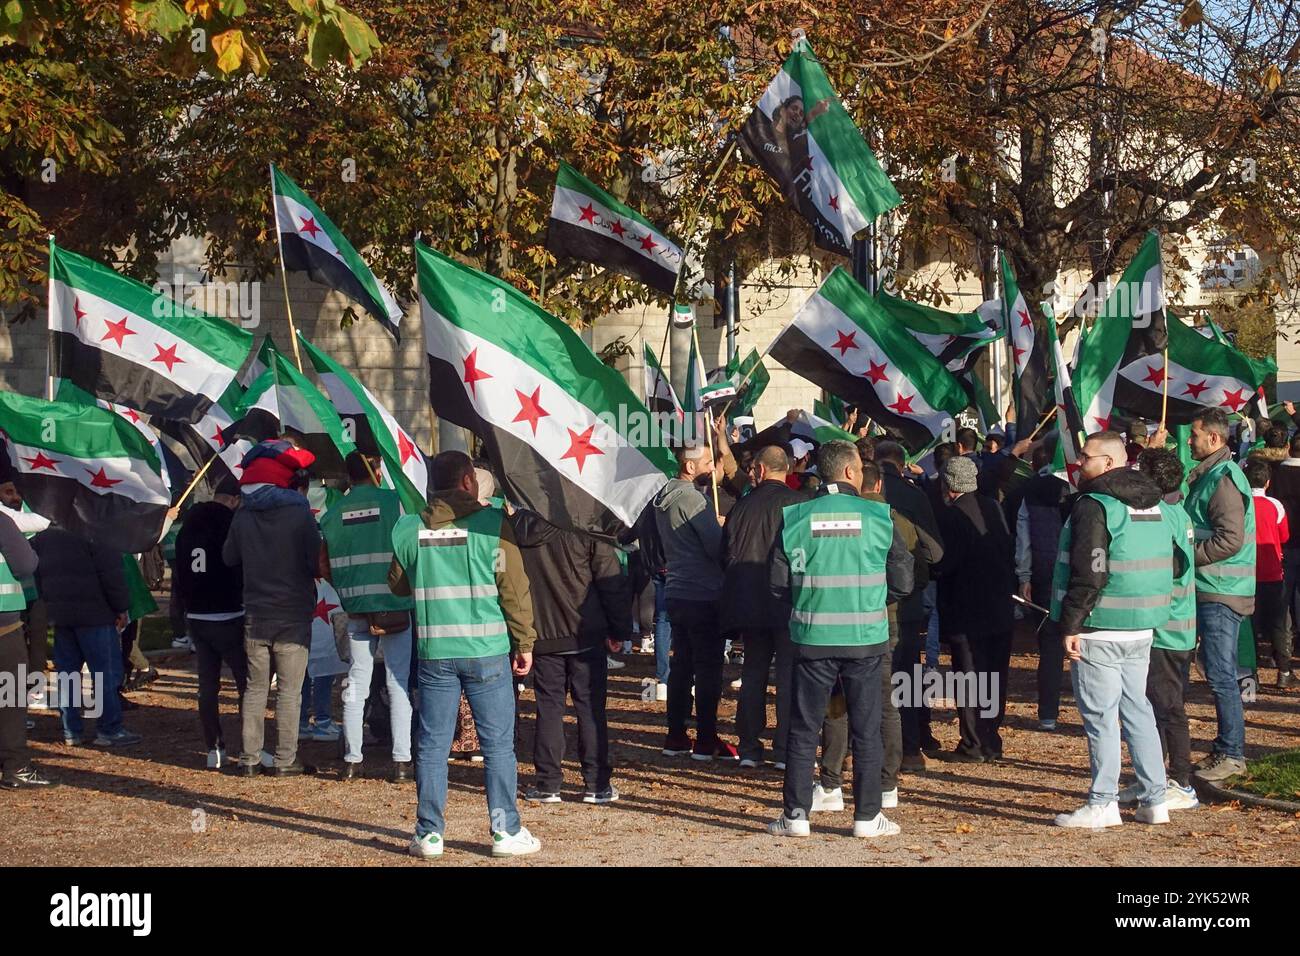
(1039, 427)
(194, 482)
(1164, 398)
(284, 275)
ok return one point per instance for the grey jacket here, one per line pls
(692, 542)
(1227, 514)
(276, 540)
(20, 558)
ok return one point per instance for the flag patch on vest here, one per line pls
(361, 516)
(444, 537)
(1145, 514)
(837, 526)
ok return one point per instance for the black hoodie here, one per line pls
(580, 594)
(1090, 537)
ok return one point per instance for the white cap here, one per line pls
(799, 448)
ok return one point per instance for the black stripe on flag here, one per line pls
(117, 379)
(1034, 397)
(567, 239)
(113, 522)
(303, 256)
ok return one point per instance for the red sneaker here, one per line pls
(677, 746)
(718, 750)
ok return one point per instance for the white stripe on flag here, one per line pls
(568, 207)
(1224, 391)
(128, 477)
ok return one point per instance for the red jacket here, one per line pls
(1271, 532)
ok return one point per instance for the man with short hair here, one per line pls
(474, 635)
(838, 561)
(1110, 590)
(747, 605)
(1219, 502)
(213, 595)
(356, 553)
(691, 534)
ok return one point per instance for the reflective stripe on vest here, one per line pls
(11, 591)
(837, 618)
(1179, 632)
(452, 591)
(460, 630)
(358, 532)
(1235, 574)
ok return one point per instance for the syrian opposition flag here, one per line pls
(588, 223)
(373, 430)
(283, 400)
(659, 395)
(121, 341)
(323, 656)
(954, 338)
(87, 469)
(1028, 351)
(819, 425)
(311, 243)
(1069, 422)
(750, 378)
(566, 435)
(845, 342)
(804, 139)
(71, 394)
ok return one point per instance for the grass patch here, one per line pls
(1277, 776)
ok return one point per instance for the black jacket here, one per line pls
(275, 539)
(910, 500)
(217, 588)
(581, 596)
(82, 585)
(977, 574)
(747, 540)
(1285, 487)
(1089, 537)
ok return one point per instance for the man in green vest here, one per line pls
(1219, 502)
(474, 630)
(17, 560)
(356, 552)
(836, 563)
(1110, 590)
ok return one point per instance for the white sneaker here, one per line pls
(1089, 817)
(647, 645)
(784, 826)
(614, 663)
(426, 847)
(217, 759)
(183, 643)
(519, 844)
(735, 684)
(881, 826)
(1156, 813)
(827, 801)
(889, 799)
(661, 692)
(1178, 797)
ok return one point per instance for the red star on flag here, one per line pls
(845, 342)
(1194, 389)
(309, 226)
(580, 447)
(77, 312)
(1154, 375)
(472, 372)
(323, 609)
(834, 201)
(1072, 472)
(876, 372)
(405, 448)
(1025, 321)
(167, 356)
(618, 228)
(1018, 352)
(130, 413)
(98, 479)
(1103, 424)
(904, 404)
(218, 437)
(648, 243)
(40, 461)
(117, 331)
(530, 409)
(587, 214)
(1234, 400)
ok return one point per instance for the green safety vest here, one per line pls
(11, 592)
(1140, 574)
(1179, 632)
(358, 532)
(1234, 575)
(837, 546)
(452, 571)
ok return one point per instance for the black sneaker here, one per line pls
(962, 756)
(535, 795)
(29, 776)
(1285, 680)
(608, 795)
(295, 769)
(402, 772)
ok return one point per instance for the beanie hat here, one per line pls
(274, 463)
(960, 474)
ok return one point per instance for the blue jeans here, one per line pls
(100, 649)
(397, 671)
(1218, 626)
(663, 632)
(316, 701)
(1110, 687)
(487, 684)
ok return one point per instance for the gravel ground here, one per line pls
(156, 804)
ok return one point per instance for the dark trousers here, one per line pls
(811, 691)
(1270, 624)
(835, 737)
(175, 606)
(1051, 655)
(215, 643)
(1167, 689)
(914, 721)
(1291, 589)
(581, 676)
(13, 715)
(762, 646)
(983, 664)
(36, 631)
(696, 659)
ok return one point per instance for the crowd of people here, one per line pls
(839, 570)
